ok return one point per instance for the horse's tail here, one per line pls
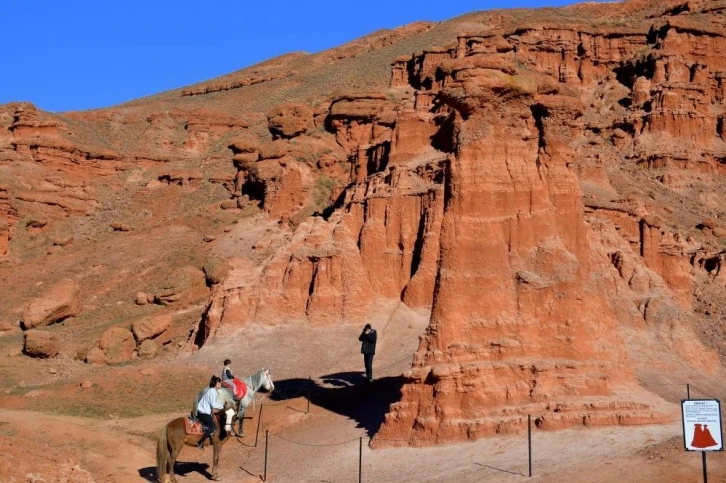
(162, 455)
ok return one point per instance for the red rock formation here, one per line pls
(117, 345)
(235, 84)
(468, 195)
(41, 344)
(61, 301)
(6, 217)
(153, 327)
(290, 120)
(536, 180)
(513, 272)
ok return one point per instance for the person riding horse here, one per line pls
(206, 407)
(173, 436)
(227, 372)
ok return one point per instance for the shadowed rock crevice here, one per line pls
(378, 158)
(418, 245)
(201, 332)
(255, 189)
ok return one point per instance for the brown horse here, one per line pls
(173, 437)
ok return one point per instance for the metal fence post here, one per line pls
(360, 460)
(310, 381)
(267, 439)
(705, 474)
(259, 423)
(688, 391)
(529, 442)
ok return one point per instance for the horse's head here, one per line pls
(267, 380)
(229, 412)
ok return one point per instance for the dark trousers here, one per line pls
(208, 423)
(368, 359)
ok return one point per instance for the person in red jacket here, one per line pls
(368, 348)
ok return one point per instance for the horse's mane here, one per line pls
(254, 381)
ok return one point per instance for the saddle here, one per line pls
(194, 425)
(238, 388)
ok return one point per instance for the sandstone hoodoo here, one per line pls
(517, 321)
(538, 196)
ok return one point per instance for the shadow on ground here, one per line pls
(346, 393)
(180, 469)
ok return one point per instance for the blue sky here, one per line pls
(79, 54)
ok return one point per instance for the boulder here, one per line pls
(244, 145)
(142, 298)
(215, 270)
(290, 120)
(148, 349)
(63, 240)
(186, 283)
(59, 302)
(245, 160)
(95, 356)
(273, 150)
(120, 227)
(228, 204)
(41, 344)
(118, 345)
(151, 327)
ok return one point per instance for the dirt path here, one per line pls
(38, 447)
(323, 447)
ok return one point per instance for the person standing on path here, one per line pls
(368, 348)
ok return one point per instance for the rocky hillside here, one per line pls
(549, 184)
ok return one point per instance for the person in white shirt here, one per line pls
(207, 406)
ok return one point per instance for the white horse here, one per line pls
(261, 379)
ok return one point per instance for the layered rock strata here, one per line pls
(518, 323)
(541, 182)
(465, 195)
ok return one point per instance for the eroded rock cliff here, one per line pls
(548, 184)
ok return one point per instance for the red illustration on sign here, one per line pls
(702, 437)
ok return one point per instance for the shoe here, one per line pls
(200, 444)
(370, 379)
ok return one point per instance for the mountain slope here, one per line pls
(548, 183)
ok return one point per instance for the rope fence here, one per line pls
(270, 437)
(359, 439)
(408, 359)
(316, 445)
(304, 388)
(263, 423)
